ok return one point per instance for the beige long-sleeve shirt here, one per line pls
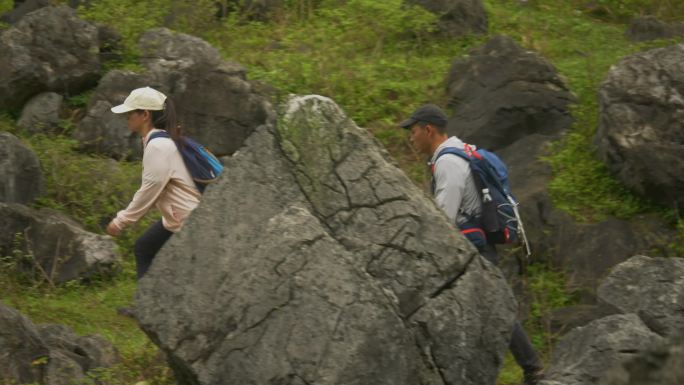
(455, 190)
(166, 183)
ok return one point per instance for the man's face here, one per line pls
(420, 138)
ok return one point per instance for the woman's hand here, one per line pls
(113, 229)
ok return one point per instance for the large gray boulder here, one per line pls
(501, 93)
(457, 17)
(583, 355)
(41, 113)
(48, 354)
(216, 103)
(653, 288)
(641, 126)
(22, 178)
(50, 49)
(52, 246)
(314, 259)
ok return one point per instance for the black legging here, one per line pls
(147, 246)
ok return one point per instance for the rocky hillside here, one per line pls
(317, 259)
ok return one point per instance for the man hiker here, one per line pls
(456, 193)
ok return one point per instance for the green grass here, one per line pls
(5, 5)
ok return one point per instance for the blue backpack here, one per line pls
(203, 166)
(499, 222)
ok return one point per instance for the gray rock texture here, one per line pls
(501, 93)
(52, 246)
(22, 178)
(50, 49)
(41, 113)
(583, 355)
(659, 365)
(314, 259)
(641, 126)
(216, 104)
(645, 28)
(48, 354)
(653, 288)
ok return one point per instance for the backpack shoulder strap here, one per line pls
(453, 151)
(159, 134)
(468, 153)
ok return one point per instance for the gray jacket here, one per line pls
(455, 190)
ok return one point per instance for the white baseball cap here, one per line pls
(145, 98)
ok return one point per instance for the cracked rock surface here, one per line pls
(641, 124)
(652, 288)
(315, 260)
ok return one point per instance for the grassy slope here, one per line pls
(378, 62)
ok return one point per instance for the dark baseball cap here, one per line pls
(428, 113)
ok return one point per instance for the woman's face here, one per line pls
(137, 119)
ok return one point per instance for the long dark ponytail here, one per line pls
(167, 119)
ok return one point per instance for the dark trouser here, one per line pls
(147, 246)
(520, 346)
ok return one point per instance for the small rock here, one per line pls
(41, 113)
(457, 17)
(61, 249)
(650, 28)
(22, 178)
(653, 288)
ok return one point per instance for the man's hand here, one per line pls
(113, 229)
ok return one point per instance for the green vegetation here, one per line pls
(5, 5)
(376, 59)
(548, 291)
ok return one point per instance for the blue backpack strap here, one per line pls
(451, 150)
(158, 134)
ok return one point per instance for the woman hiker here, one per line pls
(166, 182)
